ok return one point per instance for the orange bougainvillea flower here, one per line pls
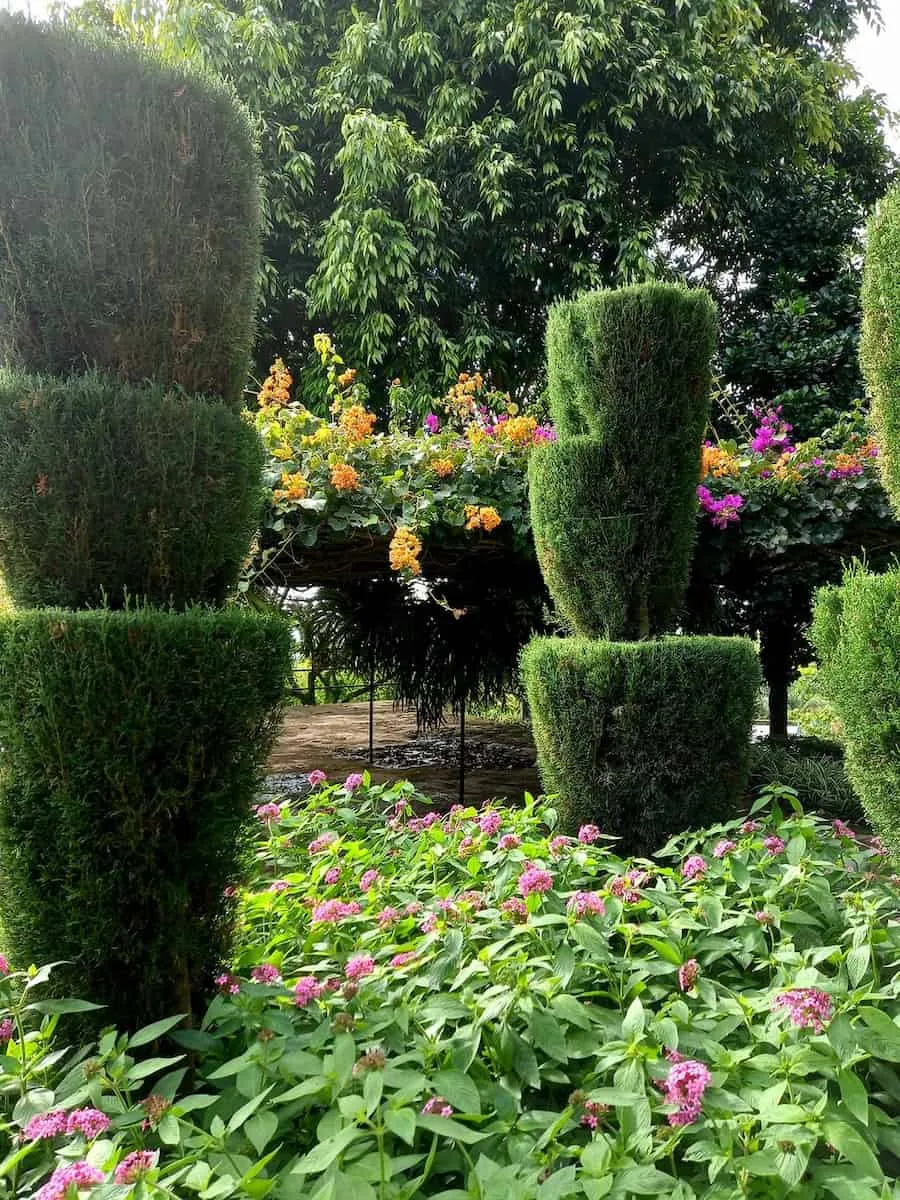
(717, 462)
(344, 478)
(443, 467)
(356, 423)
(347, 378)
(483, 517)
(293, 487)
(404, 551)
(283, 453)
(277, 387)
(517, 430)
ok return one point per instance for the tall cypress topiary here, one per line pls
(642, 736)
(856, 628)
(132, 735)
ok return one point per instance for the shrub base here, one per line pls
(132, 747)
(642, 738)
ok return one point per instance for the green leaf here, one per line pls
(634, 1021)
(853, 1146)
(447, 1127)
(237, 1119)
(325, 1153)
(150, 1066)
(644, 1181)
(54, 1007)
(260, 1129)
(854, 1095)
(459, 1089)
(402, 1122)
(857, 961)
(547, 1036)
(150, 1033)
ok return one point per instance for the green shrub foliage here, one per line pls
(643, 738)
(856, 632)
(814, 771)
(880, 340)
(131, 750)
(129, 215)
(614, 501)
(111, 490)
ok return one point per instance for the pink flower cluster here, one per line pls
(228, 984)
(586, 902)
(316, 777)
(559, 845)
(842, 829)
(750, 827)
(773, 433)
(322, 842)
(684, 1086)
(694, 867)
(515, 909)
(773, 844)
(332, 876)
(4, 965)
(306, 990)
(268, 812)
(687, 974)
(420, 824)
(388, 916)
(808, 1008)
(490, 823)
(437, 1106)
(401, 960)
(77, 1175)
(368, 879)
(588, 834)
(723, 511)
(327, 912)
(625, 887)
(89, 1122)
(509, 841)
(266, 973)
(723, 848)
(353, 781)
(534, 879)
(135, 1166)
(593, 1111)
(7, 1031)
(359, 966)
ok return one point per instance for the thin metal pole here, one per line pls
(462, 748)
(372, 713)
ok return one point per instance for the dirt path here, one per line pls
(321, 736)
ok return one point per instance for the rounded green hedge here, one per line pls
(110, 489)
(880, 337)
(644, 739)
(856, 633)
(131, 751)
(129, 215)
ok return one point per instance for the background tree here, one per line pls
(437, 175)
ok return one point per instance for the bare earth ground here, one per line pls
(321, 736)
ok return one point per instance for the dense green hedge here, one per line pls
(129, 214)
(880, 340)
(614, 512)
(131, 751)
(642, 738)
(109, 488)
(856, 632)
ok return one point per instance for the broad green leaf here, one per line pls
(150, 1033)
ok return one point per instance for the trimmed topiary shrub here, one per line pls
(111, 490)
(131, 751)
(880, 338)
(614, 512)
(642, 738)
(129, 215)
(856, 633)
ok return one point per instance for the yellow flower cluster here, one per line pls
(319, 438)
(517, 430)
(443, 467)
(356, 423)
(786, 470)
(283, 453)
(344, 478)
(404, 551)
(482, 517)
(347, 378)
(323, 345)
(717, 462)
(277, 386)
(460, 400)
(293, 487)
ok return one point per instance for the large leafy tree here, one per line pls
(439, 172)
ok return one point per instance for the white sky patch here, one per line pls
(877, 58)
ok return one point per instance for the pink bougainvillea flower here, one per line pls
(266, 973)
(684, 1086)
(586, 902)
(135, 1166)
(306, 990)
(687, 974)
(534, 880)
(593, 1111)
(467, 847)
(388, 916)
(430, 923)
(353, 781)
(808, 1008)
(359, 966)
(694, 867)
(77, 1176)
(89, 1122)
(314, 778)
(724, 847)
(588, 834)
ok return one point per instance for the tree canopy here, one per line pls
(438, 174)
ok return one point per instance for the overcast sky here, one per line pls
(875, 55)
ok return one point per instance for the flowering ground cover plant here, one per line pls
(459, 475)
(470, 1007)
